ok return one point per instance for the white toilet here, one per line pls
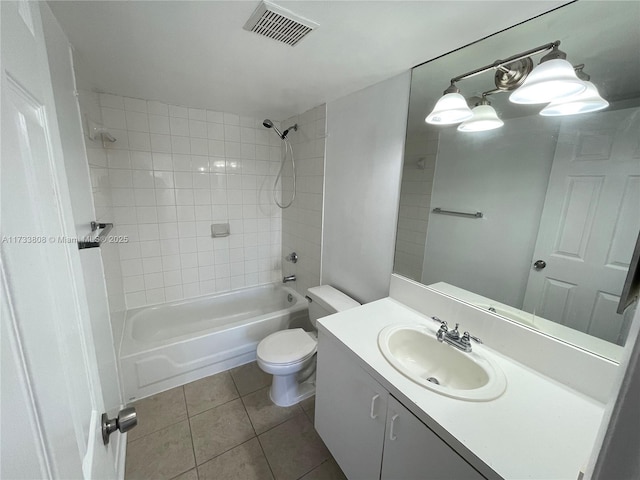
(290, 355)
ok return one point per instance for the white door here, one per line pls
(51, 396)
(589, 224)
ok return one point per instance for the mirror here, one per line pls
(545, 209)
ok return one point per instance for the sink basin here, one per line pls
(416, 353)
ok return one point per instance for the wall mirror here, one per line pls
(545, 208)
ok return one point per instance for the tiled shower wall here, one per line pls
(302, 221)
(173, 172)
(415, 201)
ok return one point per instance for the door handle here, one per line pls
(539, 264)
(126, 420)
(392, 435)
(373, 407)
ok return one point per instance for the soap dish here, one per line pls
(220, 230)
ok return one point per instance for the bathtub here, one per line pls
(164, 346)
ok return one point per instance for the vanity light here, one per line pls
(585, 102)
(450, 109)
(484, 118)
(553, 79)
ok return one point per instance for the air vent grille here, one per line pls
(279, 24)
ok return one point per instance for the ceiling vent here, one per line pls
(279, 24)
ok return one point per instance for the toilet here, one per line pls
(290, 355)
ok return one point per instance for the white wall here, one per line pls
(174, 171)
(364, 149)
(302, 221)
(503, 174)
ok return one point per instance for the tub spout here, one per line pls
(289, 278)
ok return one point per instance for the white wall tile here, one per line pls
(112, 101)
(215, 131)
(172, 173)
(197, 114)
(157, 108)
(135, 105)
(217, 117)
(179, 126)
(159, 124)
(113, 118)
(160, 143)
(180, 145)
(176, 111)
(197, 129)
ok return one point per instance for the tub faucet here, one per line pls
(289, 278)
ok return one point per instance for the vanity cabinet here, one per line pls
(351, 412)
(412, 451)
(372, 435)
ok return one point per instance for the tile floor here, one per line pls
(225, 427)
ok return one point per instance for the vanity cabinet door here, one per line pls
(412, 451)
(351, 410)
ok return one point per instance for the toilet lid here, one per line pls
(287, 346)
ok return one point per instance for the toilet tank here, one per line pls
(325, 300)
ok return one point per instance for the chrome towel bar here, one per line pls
(460, 214)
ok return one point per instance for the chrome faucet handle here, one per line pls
(467, 337)
(442, 322)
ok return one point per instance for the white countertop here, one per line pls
(538, 429)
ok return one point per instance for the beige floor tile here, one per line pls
(264, 414)
(160, 455)
(244, 462)
(209, 392)
(249, 378)
(190, 475)
(158, 411)
(329, 470)
(309, 407)
(220, 429)
(293, 448)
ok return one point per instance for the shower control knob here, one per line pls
(126, 420)
(539, 264)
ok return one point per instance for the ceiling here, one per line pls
(196, 53)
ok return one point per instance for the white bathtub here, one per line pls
(164, 346)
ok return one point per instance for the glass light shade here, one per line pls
(484, 118)
(585, 102)
(552, 80)
(451, 108)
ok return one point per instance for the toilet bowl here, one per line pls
(290, 355)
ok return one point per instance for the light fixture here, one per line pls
(484, 118)
(587, 101)
(450, 109)
(553, 79)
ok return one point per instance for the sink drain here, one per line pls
(433, 380)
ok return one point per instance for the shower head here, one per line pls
(269, 124)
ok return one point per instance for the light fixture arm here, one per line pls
(499, 64)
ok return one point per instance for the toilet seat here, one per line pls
(287, 347)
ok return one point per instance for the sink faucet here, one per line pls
(289, 278)
(452, 337)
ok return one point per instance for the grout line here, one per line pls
(264, 454)
(193, 448)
